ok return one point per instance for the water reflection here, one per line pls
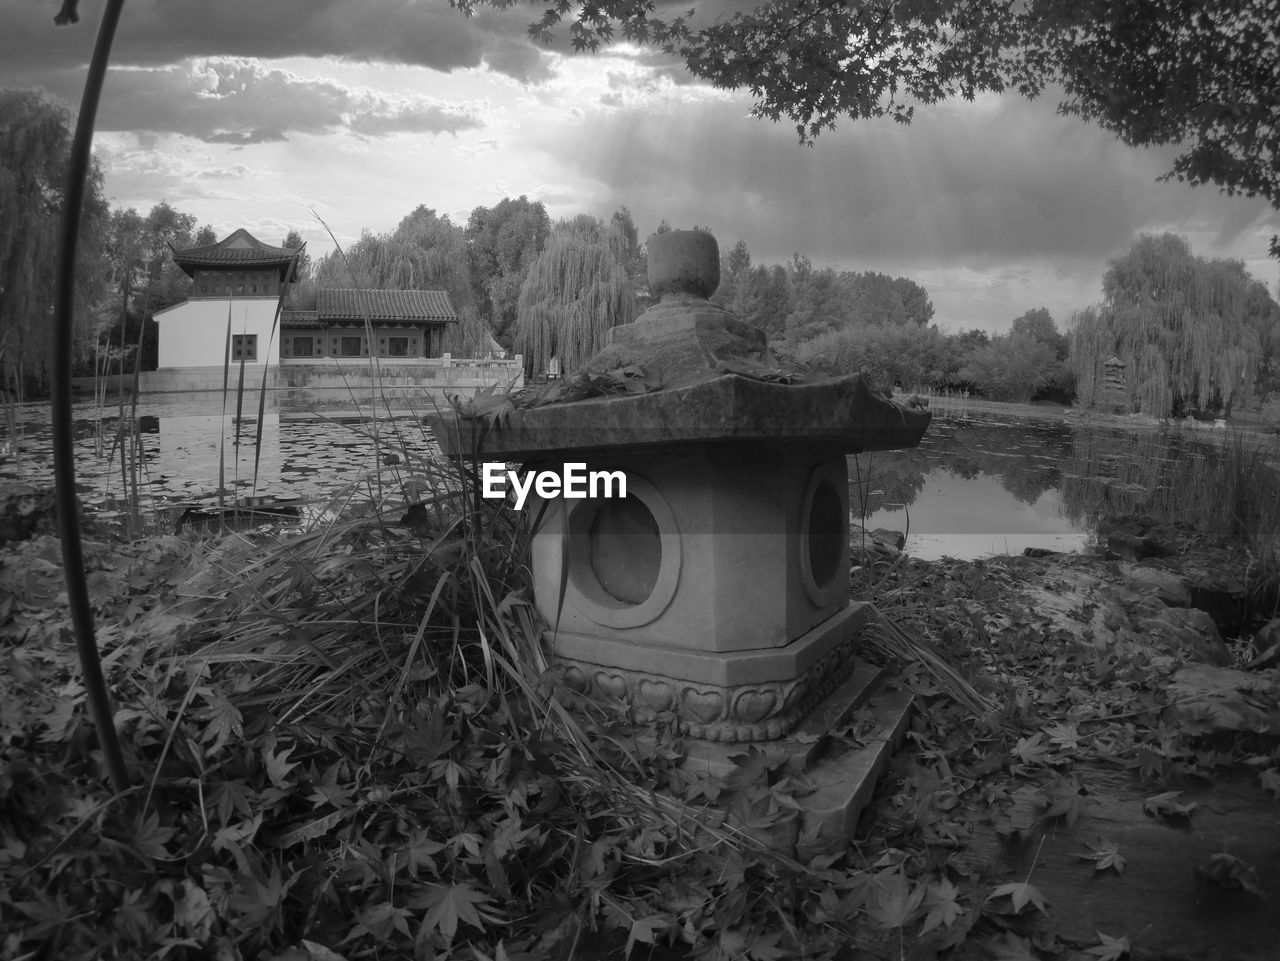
(979, 484)
(185, 449)
(990, 485)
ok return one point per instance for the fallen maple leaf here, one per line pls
(646, 930)
(1168, 805)
(1020, 894)
(1105, 854)
(1109, 948)
(1010, 947)
(278, 767)
(1230, 873)
(1065, 798)
(894, 903)
(1066, 736)
(447, 906)
(943, 903)
(1031, 750)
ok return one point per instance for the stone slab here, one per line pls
(844, 782)
(837, 412)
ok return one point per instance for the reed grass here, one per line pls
(1226, 485)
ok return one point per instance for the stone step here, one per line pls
(845, 783)
(844, 779)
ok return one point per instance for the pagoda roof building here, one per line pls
(239, 250)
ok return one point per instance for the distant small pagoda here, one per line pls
(1113, 393)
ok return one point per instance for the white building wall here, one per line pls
(194, 332)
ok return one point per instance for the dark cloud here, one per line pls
(159, 32)
(242, 102)
(242, 138)
(982, 184)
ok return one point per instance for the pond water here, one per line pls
(978, 484)
(188, 442)
(989, 483)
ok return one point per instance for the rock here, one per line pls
(1163, 584)
(893, 539)
(1215, 588)
(1186, 631)
(1224, 700)
(1042, 552)
(1136, 538)
(25, 510)
(1134, 548)
(1267, 658)
(1267, 643)
(1136, 602)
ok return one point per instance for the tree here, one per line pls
(905, 355)
(1192, 332)
(426, 251)
(1014, 367)
(301, 294)
(875, 299)
(1196, 74)
(735, 265)
(142, 276)
(503, 241)
(576, 290)
(633, 251)
(829, 300)
(824, 300)
(765, 299)
(915, 301)
(1039, 324)
(35, 141)
(302, 264)
(164, 230)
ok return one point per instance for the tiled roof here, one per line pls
(420, 306)
(238, 249)
(298, 318)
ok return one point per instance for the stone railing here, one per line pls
(331, 374)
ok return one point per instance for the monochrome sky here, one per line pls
(256, 113)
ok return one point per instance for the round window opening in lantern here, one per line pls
(824, 530)
(623, 556)
(626, 549)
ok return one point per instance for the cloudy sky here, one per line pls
(255, 113)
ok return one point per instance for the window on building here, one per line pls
(350, 346)
(397, 346)
(302, 347)
(244, 347)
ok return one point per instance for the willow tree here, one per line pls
(503, 241)
(1191, 331)
(576, 290)
(426, 251)
(35, 141)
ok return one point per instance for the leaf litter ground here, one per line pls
(331, 763)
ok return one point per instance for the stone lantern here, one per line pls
(716, 592)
